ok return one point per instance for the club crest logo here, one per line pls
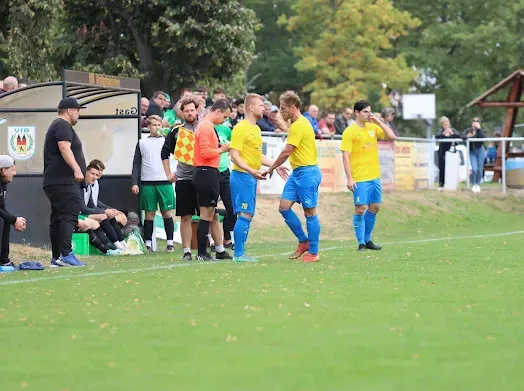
(371, 133)
(21, 142)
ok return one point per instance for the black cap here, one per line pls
(70, 103)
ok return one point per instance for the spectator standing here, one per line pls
(157, 104)
(446, 132)
(264, 123)
(276, 119)
(327, 124)
(311, 115)
(7, 173)
(207, 179)
(149, 179)
(388, 115)
(241, 112)
(64, 170)
(344, 120)
(10, 83)
(144, 105)
(477, 153)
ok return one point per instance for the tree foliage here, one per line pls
(347, 44)
(462, 48)
(169, 46)
(273, 69)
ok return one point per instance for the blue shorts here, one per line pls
(302, 186)
(243, 192)
(368, 192)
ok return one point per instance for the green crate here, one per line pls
(94, 251)
(80, 243)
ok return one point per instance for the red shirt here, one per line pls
(322, 124)
(206, 140)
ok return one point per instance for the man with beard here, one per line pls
(246, 154)
(64, 170)
(186, 198)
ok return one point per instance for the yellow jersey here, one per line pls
(302, 136)
(362, 144)
(247, 139)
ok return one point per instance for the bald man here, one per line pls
(10, 83)
(311, 116)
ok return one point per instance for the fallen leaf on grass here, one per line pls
(307, 305)
(231, 338)
(104, 325)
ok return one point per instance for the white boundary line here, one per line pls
(164, 267)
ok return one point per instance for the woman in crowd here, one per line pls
(477, 153)
(446, 132)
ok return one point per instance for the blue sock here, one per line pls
(240, 233)
(293, 223)
(369, 219)
(313, 233)
(359, 225)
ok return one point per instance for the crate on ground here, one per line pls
(80, 243)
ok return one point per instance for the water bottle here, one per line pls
(6, 269)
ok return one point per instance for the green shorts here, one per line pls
(153, 196)
(82, 216)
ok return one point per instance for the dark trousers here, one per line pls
(66, 202)
(225, 194)
(441, 168)
(5, 229)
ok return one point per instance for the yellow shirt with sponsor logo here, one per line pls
(302, 136)
(362, 144)
(247, 139)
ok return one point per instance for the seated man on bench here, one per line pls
(97, 237)
(119, 216)
(106, 217)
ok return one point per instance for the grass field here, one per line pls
(440, 308)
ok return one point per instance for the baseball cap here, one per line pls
(70, 103)
(274, 108)
(6, 161)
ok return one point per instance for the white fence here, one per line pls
(406, 164)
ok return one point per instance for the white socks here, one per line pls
(187, 250)
(220, 249)
(169, 242)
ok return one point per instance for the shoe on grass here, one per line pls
(205, 257)
(187, 257)
(372, 246)
(301, 249)
(308, 257)
(223, 255)
(245, 258)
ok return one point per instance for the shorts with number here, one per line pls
(82, 216)
(243, 192)
(207, 186)
(368, 192)
(154, 196)
(302, 186)
(186, 198)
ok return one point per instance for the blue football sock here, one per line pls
(293, 223)
(313, 233)
(359, 225)
(369, 219)
(240, 233)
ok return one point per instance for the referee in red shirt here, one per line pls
(206, 179)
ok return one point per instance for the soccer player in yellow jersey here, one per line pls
(360, 155)
(303, 184)
(247, 157)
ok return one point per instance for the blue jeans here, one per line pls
(476, 156)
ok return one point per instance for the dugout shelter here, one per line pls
(109, 128)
